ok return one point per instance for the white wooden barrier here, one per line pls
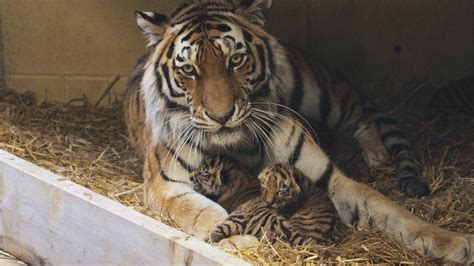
(48, 220)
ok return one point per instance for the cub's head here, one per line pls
(211, 176)
(209, 60)
(279, 186)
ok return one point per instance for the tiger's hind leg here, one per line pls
(378, 136)
(402, 151)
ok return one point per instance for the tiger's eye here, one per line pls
(237, 60)
(188, 70)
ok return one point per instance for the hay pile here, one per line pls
(88, 146)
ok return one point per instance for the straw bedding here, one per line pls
(88, 146)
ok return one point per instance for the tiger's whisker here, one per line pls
(304, 130)
(292, 111)
(268, 134)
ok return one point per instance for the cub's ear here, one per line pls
(254, 10)
(153, 26)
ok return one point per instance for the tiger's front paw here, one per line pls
(207, 221)
(460, 249)
(448, 246)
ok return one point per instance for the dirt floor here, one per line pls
(88, 145)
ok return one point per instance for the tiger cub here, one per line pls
(310, 212)
(282, 208)
(222, 180)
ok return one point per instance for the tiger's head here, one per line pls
(212, 175)
(210, 62)
(279, 186)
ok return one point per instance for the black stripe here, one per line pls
(297, 93)
(271, 60)
(385, 121)
(323, 181)
(355, 216)
(261, 56)
(199, 18)
(240, 223)
(156, 18)
(190, 33)
(162, 172)
(248, 36)
(181, 195)
(138, 101)
(165, 69)
(183, 163)
(395, 133)
(254, 63)
(180, 8)
(407, 156)
(408, 168)
(263, 92)
(169, 54)
(297, 151)
(213, 197)
(168, 103)
(290, 137)
(167, 178)
(208, 7)
(263, 222)
(324, 105)
(344, 104)
(197, 146)
(227, 230)
(219, 27)
(397, 148)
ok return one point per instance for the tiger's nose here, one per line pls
(221, 119)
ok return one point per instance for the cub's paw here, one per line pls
(238, 242)
(217, 235)
(272, 236)
(414, 187)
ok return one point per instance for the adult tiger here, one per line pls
(214, 82)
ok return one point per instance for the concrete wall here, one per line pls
(63, 49)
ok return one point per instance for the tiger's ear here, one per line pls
(153, 26)
(254, 10)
